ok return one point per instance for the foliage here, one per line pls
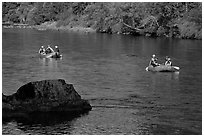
(190, 30)
(153, 18)
(161, 31)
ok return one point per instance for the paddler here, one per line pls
(168, 61)
(41, 50)
(153, 61)
(57, 50)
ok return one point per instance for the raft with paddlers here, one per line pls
(49, 52)
(156, 67)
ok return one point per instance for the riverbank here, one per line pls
(53, 26)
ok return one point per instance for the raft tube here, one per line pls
(162, 68)
(50, 55)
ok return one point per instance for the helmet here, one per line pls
(56, 46)
(153, 55)
(42, 46)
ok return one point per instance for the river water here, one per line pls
(109, 71)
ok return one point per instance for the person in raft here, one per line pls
(168, 61)
(49, 50)
(41, 50)
(153, 61)
(57, 51)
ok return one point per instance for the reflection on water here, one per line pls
(109, 71)
(44, 119)
(49, 63)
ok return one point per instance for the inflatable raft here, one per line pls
(162, 68)
(50, 55)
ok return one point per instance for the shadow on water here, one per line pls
(44, 118)
(43, 123)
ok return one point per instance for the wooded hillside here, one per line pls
(170, 19)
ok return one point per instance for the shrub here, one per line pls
(117, 28)
(161, 31)
(189, 30)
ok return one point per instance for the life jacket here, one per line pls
(168, 62)
(57, 49)
(153, 62)
(41, 50)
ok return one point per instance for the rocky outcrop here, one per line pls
(44, 96)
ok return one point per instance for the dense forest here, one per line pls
(169, 19)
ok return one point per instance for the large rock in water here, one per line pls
(44, 96)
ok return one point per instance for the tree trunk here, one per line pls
(186, 6)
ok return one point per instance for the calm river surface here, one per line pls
(109, 71)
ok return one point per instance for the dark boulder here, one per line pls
(47, 96)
